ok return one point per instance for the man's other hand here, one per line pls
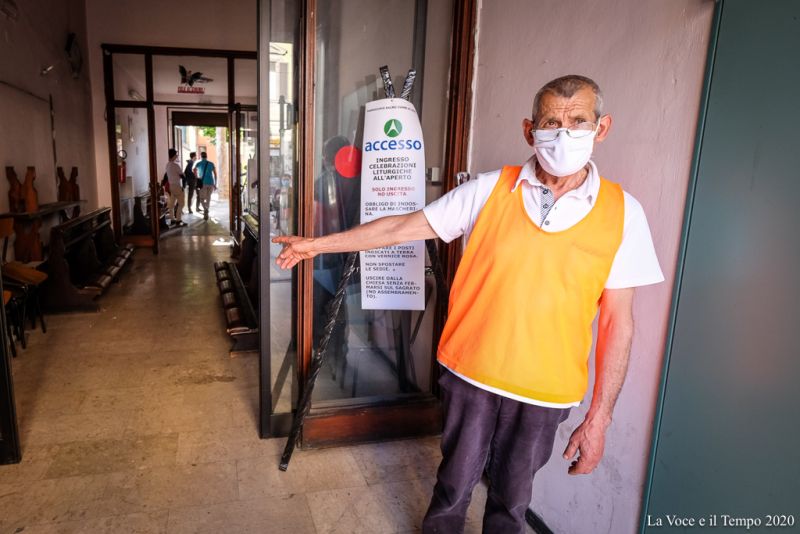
(589, 440)
(295, 250)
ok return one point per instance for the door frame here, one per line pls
(236, 208)
(149, 103)
(333, 423)
(197, 118)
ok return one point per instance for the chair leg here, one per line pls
(30, 310)
(38, 304)
(21, 313)
(11, 341)
(41, 320)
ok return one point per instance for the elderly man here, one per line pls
(548, 243)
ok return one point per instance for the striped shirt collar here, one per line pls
(588, 189)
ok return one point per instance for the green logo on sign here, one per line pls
(392, 128)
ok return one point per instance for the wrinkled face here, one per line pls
(565, 112)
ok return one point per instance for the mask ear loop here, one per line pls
(597, 128)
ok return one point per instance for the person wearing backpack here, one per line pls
(207, 182)
(190, 180)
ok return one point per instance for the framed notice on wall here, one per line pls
(392, 183)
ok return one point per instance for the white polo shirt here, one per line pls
(173, 172)
(635, 263)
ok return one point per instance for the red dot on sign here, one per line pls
(348, 161)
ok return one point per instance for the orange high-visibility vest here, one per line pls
(523, 300)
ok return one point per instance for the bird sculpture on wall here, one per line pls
(190, 78)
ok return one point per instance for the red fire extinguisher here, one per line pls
(121, 170)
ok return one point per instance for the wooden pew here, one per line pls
(238, 286)
(84, 260)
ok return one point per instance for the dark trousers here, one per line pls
(192, 187)
(510, 439)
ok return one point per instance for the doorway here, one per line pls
(205, 133)
(165, 98)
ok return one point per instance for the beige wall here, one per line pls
(649, 59)
(190, 24)
(37, 39)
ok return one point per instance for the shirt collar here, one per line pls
(588, 189)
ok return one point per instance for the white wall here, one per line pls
(37, 39)
(648, 58)
(181, 23)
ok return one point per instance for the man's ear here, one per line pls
(605, 127)
(527, 130)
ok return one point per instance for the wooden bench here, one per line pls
(238, 286)
(84, 260)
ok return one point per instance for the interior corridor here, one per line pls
(136, 419)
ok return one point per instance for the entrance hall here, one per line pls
(146, 424)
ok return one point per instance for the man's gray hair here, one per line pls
(567, 86)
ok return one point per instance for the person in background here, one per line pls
(190, 180)
(175, 179)
(207, 180)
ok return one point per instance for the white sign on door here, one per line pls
(392, 183)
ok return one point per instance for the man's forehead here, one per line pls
(581, 101)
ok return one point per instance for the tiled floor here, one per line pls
(135, 419)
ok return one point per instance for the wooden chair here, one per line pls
(25, 282)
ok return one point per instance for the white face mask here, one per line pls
(563, 155)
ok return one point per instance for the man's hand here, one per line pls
(374, 234)
(295, 250)
(589, 439)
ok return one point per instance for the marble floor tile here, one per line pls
(47, 500)
(163, 488)
(35, 463)
(134, 398)
(393, 461)
(42, 430)
(309, 471)
(54, 401)
(387, 507)
(141, 523)
(351, 510)
(200, 446)
(220, 388)
(183, 418)
(109, 455)
(274, 515)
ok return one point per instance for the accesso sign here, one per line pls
(392, 128)
(392, 183)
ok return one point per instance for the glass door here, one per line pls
(140, 201)
(272, 200)
(380, 371)
(318, 67)
(135, 184)
(245, 169)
